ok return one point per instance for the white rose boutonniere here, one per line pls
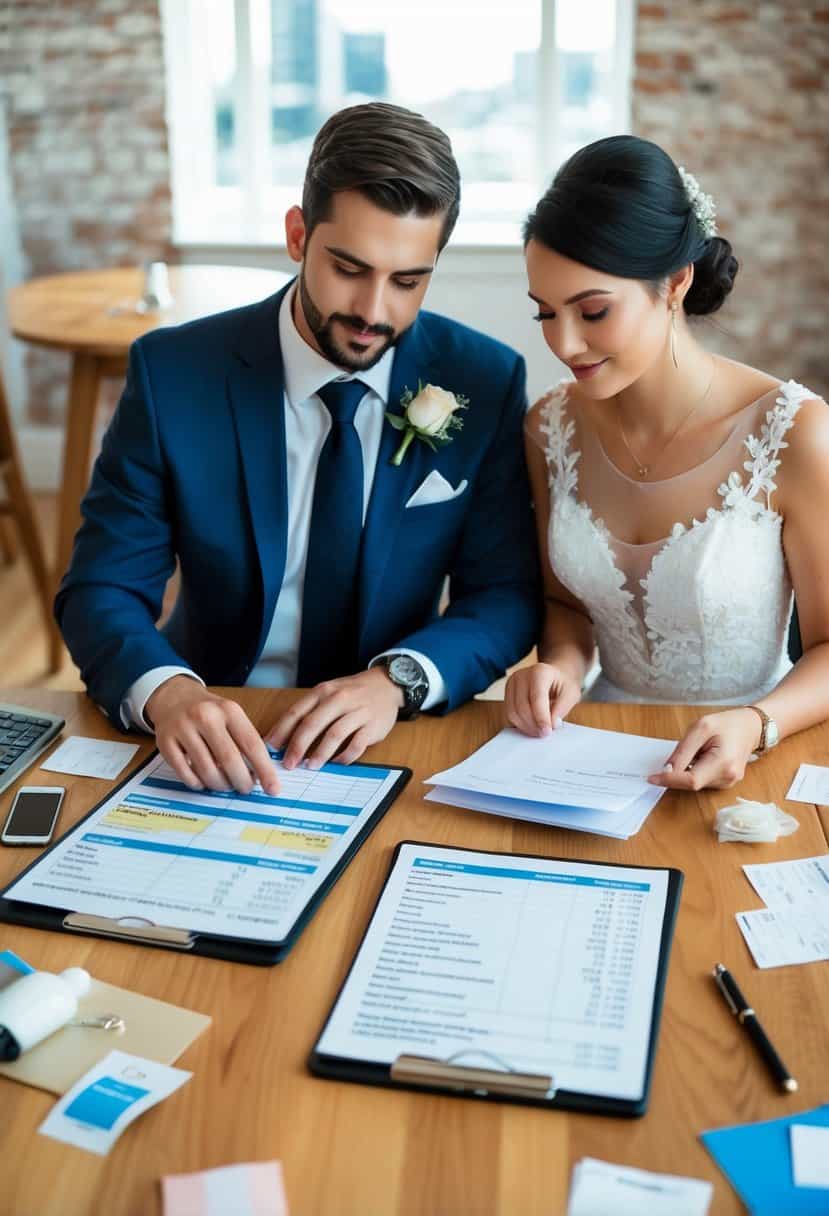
(431, 414)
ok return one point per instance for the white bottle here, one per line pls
(157, 295)
(36, 1006)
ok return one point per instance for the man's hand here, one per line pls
(208, 740)
(339, 719)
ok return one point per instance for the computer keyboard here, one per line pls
(24, 734)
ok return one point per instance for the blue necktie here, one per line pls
(328, 642)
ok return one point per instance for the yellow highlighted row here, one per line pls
(153, 819)
(286, 838)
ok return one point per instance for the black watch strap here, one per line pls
(415, 690)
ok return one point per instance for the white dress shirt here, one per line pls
(307, 423)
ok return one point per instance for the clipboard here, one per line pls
(500, 1082)
(138, 929)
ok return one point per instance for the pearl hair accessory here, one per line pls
(702, 204)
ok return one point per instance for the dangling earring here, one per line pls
(674, 307)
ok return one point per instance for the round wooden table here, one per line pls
(79, 312)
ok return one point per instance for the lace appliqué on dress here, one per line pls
(580, 545)
(717, 597)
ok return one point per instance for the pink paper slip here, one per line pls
(255, 1189)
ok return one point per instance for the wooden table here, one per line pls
(357, 1151)
(72, 312)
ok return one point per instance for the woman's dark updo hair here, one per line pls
(619, 205)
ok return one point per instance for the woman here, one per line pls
(680, 496)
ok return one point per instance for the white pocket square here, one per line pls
(435, 488)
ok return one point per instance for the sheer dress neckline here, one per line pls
(744, 421)
(662, 481)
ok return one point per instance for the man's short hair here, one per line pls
(396, 158)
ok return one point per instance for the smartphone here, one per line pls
(33, 815)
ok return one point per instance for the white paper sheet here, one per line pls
(617, 824)
(90, 757)
(778, 937)
(244, 865)
(549, 966)
(601, 1189)
(788, 884)
(810, 1155)
(811, 784)
(575, 766)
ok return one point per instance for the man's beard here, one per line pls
(321, 329)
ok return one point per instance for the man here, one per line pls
(253, 446)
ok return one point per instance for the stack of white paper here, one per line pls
(600, 1188)
(577, 777)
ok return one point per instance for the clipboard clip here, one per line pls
(470, 1078)
(129, 928)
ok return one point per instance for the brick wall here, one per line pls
(737, 93)
(83, 86)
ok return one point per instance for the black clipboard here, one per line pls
(231, 949)
(428, 1075)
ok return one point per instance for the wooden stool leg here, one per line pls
(8, 541)
(77, 456)
(32, 543)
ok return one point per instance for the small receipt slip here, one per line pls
(778, 937)
(789, 884)
(90, 757)
(95, 1111)
(254, 1189)
(599, 1188)
(811, 784)
(810, 1156)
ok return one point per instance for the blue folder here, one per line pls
(757, 1160)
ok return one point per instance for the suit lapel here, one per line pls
(256, 389)
(393, 484)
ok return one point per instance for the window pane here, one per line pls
(219, 26)
(586, 62)
(468, 65)
(474, 67)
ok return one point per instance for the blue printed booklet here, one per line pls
(757, 1160)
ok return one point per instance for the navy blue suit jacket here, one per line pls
(193, 466)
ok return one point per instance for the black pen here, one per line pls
(748, 1019)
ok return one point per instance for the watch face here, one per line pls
(772, 733)
(405, 671)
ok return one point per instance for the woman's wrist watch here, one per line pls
(769, 734)
(410, 678)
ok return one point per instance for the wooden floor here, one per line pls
(23, 648)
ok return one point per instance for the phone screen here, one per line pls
(33, 813)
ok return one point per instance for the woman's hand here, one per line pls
(537, 698)
(713, 753)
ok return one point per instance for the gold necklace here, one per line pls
(644, 469)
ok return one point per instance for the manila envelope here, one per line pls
(154, 1030)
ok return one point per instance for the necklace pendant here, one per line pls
(643, 472)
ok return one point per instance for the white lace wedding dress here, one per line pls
(700, 616)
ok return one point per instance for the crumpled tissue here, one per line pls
(753, 822)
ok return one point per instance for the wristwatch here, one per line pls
(408, 675)
(769, 735)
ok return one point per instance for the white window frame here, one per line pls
(251, 215)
